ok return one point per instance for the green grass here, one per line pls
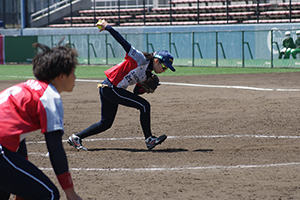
(8, 72)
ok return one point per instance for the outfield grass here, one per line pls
(8, 72)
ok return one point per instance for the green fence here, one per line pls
(212, 49)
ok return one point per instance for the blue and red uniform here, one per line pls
(129, 72)
(24, 108)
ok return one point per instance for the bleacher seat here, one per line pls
(288, 4)
(75, 25)
(176, 16)
(208, 8)
(270, 21)
(91, 19)
(112, 11)
(239, 11)
(179, 23)
(190, 2)
(287, 12)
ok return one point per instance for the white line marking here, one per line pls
(185, 137)
(232, 87)
(178, 168)
(87, 80)
(212, 86)
(192, 85)
(39, 154)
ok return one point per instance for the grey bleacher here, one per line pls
(184, 12)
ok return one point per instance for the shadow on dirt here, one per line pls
(139, 150)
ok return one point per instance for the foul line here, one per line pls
(178, 168)
(193, 85)
(212, 86)
(184, 137)
(232, 87)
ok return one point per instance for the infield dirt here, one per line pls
(224, 143)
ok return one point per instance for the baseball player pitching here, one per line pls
(136, 69)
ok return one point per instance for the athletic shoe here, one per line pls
(75, 141)
(152, 141)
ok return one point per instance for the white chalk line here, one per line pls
(191, 85)
(212, 86)
(179, 168)
(183, 137)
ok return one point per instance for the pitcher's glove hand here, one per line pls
(150, 84)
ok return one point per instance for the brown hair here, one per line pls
(50, 63)
(149, 56)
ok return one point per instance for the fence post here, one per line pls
(198, 12)
(147, 41)
(88, 41)
(271, 48)
(171, 43)
(216, 48)
(193, 50)
(144, 12)
(170, 12)
(95, 21)
(52, 41)
(71, 11)
(243, 51)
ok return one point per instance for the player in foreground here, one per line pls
(136, 69)
(33, 105)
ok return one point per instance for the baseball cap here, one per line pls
(166, 58)
(287, 33)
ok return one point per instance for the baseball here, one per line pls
(99, 26)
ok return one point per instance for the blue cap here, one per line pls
(166, 58)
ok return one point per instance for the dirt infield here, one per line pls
(224, 143)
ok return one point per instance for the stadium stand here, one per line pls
(131, 11)
(91, 19)
(178, 23)
(271, 21)
(185, 12)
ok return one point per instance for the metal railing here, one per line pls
(50, 8)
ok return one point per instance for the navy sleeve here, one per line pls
(57, 153)
(23, 149)
(119, 38)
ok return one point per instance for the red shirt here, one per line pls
(130, 71)
(27, 107)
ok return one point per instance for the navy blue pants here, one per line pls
(111, 97)
(20, 177)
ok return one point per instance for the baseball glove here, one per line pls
(150, 84)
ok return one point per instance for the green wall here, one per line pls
(19, 48)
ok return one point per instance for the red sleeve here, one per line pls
(117, 73)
